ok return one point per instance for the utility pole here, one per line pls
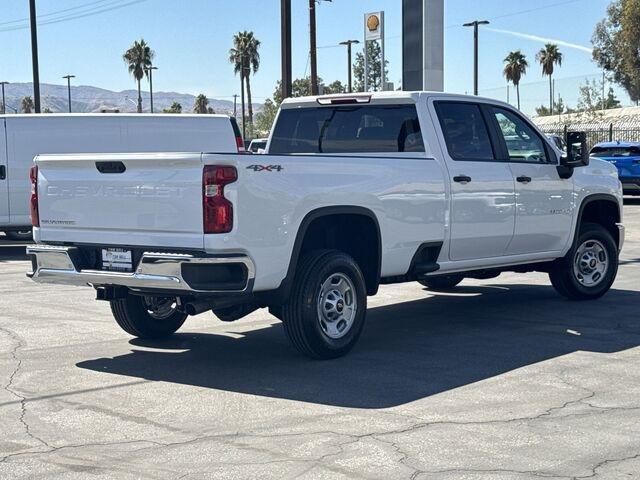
(149, 71)
(475, 25)
(34, 56)
(348, 43)
(313, 52)
(69, 77)
(4, 105)
(285, 46)
(235, 102)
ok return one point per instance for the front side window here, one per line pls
(347, 129)
(465, 131)
(523, 143)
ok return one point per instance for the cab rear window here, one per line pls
(615, 152)
(347, 129)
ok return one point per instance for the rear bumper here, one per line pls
(175, 272)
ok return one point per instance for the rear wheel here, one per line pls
(589, 269)
(441, 282)
(148, 316)
(326, 310)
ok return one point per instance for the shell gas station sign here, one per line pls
(374, 26)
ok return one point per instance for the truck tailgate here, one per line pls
(121, 199)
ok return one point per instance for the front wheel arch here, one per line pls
(600, 208)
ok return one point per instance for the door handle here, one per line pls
(3, 172)
(523, 179)
(462, 179)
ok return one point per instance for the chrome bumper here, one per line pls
(621, 233)
(55, 264)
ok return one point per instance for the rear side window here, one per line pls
(615, 152)
(348, 129)
(465, 131)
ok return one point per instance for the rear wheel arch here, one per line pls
(360, 237)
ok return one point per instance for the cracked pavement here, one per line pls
(502, 379)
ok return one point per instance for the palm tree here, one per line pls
(246, 60)
(201, 104)
(139, 59)
(548, 57)
(515, 67)
(26, 105)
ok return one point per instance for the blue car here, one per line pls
(626, 157)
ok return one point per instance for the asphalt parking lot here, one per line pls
(501, 380)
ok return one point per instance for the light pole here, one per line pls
(149, 71)
(4, 105)
(69, 77)
(34, 56)
(475, 24)
(348, 43)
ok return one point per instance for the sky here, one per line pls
(192, 38)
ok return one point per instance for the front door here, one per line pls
(4, 180)
(482, 188)
(543, 200)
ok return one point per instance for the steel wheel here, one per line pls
(160, 308)
(337, 305)
(591, 263)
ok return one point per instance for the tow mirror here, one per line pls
(577, 151)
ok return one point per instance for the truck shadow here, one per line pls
(11, 252)
(408, 350)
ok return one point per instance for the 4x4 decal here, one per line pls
(262, 168)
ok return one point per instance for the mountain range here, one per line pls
(86, 99)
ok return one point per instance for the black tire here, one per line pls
(441, 282)
(566, 275)
(304, 322)
(19, 236)
(134, 316)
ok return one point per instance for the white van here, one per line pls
(22, 137)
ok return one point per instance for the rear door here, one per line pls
(544, 209)
(4, 180)
(482, 187)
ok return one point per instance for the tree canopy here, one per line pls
(616, 45)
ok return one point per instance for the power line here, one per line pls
(530, 10)
(77, 7)
(77, 15)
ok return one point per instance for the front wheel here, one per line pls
(19, 236)
(148, 316)
(589, 269)
(325, 313)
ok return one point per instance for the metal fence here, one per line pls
(596, 135)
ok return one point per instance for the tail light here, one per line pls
(33, 203)
(217, 211)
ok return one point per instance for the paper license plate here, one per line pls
(119, 259)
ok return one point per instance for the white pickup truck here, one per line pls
(354, 191)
